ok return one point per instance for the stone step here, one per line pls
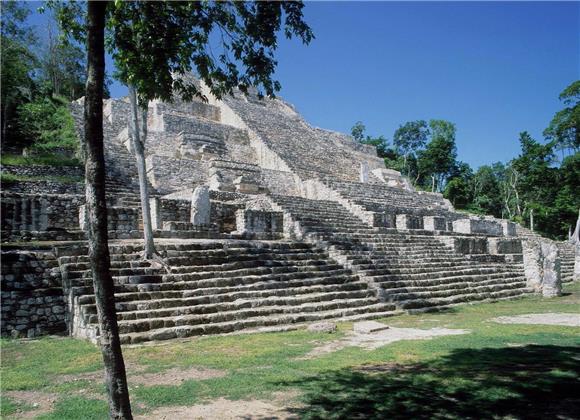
(452, 289)
(217, 286)
(420, 272)
(415, 303)
(221, 325)
(166, 308)
(335, 269)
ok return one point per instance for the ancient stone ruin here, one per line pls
(263, 222)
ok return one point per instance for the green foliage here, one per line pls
(76, 407)
(39, 160)
(6, 178)
(564, 129)
(48, 122)
(380, 142)
(437, 161)
(17, 65)
(408, 139)
(155, 44)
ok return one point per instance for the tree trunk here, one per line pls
(139, 137)
(115, 376)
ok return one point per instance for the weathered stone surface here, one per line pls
(322, 327)
(434, 223)
(367, 327)
(533, 264)
(552, 280)
(478, 226)
(200, 206)
(364, 172)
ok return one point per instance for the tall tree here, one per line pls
(564, 129)
(62, 64)
(409, 138)
(439, 157)
(96, 203)
(17, 64)
(155, 45)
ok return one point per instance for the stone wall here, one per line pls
(259, 221)
(478, 226)
(42, 171)
(30, 212)
(119, 219)
(43, 187)
(32, 295)
(280, 182)
(168, 174)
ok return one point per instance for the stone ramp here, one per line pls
(414, 270)
(219, 287)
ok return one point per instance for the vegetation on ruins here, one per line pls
(538, 188)
(469, 375)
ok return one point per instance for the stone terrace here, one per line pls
(297, 232)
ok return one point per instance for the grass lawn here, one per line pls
(497, 370)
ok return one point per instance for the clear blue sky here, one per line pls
(494, 69)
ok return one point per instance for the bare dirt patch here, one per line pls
(175, 376)
(378, 339)
(41, 403)
(568, 320)
(278, 407)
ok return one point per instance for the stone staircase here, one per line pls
(219, 287)
(382, 198)
(416, 271)
(567, 257)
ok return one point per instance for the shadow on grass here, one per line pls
(522, 382)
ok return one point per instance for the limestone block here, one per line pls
(387, 220)
(259, 221)
(409, 221)
(552, 279)
(155, 208)
(504, 246)
(434, 223)
(83, 217)
(245, 185)
(364, 172)
(323, 327)
(367, 327)
(509, 228)
(533, 264)
(200, 206)
(478, 226)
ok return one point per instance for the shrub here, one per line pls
(47, 122)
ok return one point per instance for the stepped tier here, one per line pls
(218, 287)
(415, 271)
(363, 245)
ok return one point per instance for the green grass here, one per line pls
(12, 178)
(41, 160)
(497, 370)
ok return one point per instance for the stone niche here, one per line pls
(434, 223)
(259, 222)
(409, 221)
(478, 226)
